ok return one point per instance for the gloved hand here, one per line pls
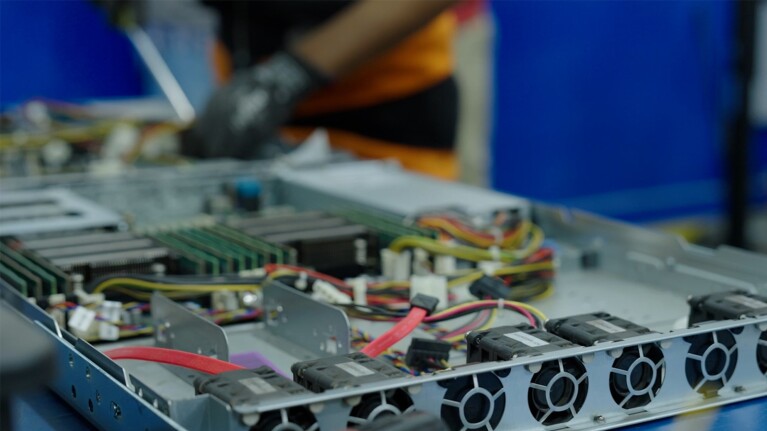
(244, 114)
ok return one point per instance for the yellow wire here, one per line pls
(511, 241)
(470, 253)
(150, 285)
(486, 326)
(527, 307)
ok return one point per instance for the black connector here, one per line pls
(509, 342)
(490, 287)
(248, 387)
(423, 353)
(342, 371)
(426, 302)
(726, 306)
(590, 329)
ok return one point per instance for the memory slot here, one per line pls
(276, 253)
(15, 280)
(228, 260)
(212, 264)
(33, 282)
(50, 285)
(248, 259)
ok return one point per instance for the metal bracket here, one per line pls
(180, 329)
(293, 316)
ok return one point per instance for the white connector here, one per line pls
(396, 266)
(84, 297)
(57, 299)
(360, 289)
(82, 322)
(421, 264)
(444, 265)
(108, 332)
(489, 267)
(301, 284)
(224, 300)
(111, 310)
(326, 292)
(432, 285)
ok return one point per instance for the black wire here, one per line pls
(373, 311)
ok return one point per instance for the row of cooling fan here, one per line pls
(557, 391)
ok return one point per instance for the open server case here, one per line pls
(600, 325)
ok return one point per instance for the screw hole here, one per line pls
(90, 405)
(88, 373)
(71, 361)
(74, 392)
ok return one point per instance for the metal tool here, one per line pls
(160, 71)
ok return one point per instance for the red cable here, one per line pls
(396, 333)
(179, 358)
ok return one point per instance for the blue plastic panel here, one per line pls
(62, 50)
(614, 106)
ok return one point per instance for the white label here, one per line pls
(81, 319)
(748, 302)
(606, 326)
(108, 331)
(526, 339)
(355, 369)
(258, 386)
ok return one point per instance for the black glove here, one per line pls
(246, 113)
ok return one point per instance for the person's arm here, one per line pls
(363, 31)
(244, 114)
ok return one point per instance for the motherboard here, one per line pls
(356, 296)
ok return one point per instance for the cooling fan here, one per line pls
(557, 391)
(637, 375)
(293, 419)
(761, 353)
(380, 404)
(474, 402)
(711, 361)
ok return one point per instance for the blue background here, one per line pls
(618, 107)
(62, 50)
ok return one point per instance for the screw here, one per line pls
(116, 412)
(599, 419)
(739, 389)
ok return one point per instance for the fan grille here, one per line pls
(293, 419)
(711, 361)
(637, 376)
(557, 392)
(761, 353)
(474, 402)
(380, 404)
